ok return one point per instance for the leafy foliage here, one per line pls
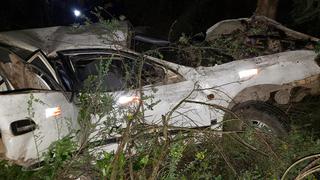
(155, 151)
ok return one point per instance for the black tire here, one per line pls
(255, 114)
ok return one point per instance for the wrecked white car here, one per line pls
(39, 75)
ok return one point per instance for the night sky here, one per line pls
(188, 16)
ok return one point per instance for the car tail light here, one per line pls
(23, 126)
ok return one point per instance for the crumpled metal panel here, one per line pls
(52, 39)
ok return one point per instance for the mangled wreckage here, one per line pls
(42, 69)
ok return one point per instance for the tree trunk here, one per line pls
(267, 8)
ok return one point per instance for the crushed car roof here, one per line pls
(52, 39)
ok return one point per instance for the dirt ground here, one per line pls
(305, 115)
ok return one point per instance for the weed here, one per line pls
(145, 151)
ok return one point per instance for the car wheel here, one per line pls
(258, 115)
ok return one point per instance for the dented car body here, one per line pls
(38, 108)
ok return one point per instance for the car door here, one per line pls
(33, 111)
(162, 87)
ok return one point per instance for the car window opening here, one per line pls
(122, 73)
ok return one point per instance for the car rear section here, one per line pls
(34, 112)
(278, 79)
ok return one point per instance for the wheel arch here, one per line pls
(261, 92)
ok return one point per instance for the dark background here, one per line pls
(188, 16)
